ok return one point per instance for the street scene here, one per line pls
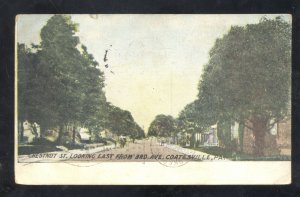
(130, 89)
(146, 150)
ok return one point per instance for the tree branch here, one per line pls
(247, 126)
(243, 123)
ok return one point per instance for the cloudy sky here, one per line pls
(154, 61)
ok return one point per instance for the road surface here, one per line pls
(146, 150)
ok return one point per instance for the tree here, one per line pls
(60, 84)
(162, 126)
(197, 115)
(224, 134)
(61, 63)
(139, 132)
(26, 60)
(24, 74)
(248, 76)
(121, 122)
(92, 96)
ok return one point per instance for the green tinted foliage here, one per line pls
(121, 122)
(162, 126)
(51, 77)
(61, 84)
(248, 74)
(247, 79)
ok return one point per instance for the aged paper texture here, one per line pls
(153, 99)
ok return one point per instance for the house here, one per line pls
(30, 132)
(205, 138)
(196, 138)
(84, 134)
(209, 137)
(283, 136)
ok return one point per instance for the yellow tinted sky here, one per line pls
(155, 61)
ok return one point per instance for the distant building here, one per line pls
(85, 135)
(204, 138)
(283, 136)
(209, 137)
(30, 132)
(240, 138)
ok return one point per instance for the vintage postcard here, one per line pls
(153, 99)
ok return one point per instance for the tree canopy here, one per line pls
(248, 77)
(61, 83)
(121, 122)
(162, 126)
(249, 71)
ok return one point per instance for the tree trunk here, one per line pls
(21, 130)
(259, 132)
(73, 134)
(60, 133)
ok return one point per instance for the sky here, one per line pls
(154, 61)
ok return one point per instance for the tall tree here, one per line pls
(59, 65)
(25, 73)
(197, 115)
(162, 126)
(121, 122)
(31, 87)
(60, 84)
(248, 76)
(26, 93)
(93, 100)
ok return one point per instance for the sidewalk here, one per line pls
(186, 151)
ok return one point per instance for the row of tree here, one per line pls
(60, 83)
(166, 126)
(162, 126)
(247, 80)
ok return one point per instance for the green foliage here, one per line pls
(196, 116)
(25, 70)
(60, 84)
(248, 78)
(248, 75)
(162, 126)
(121, 122)
(249, 72)
(92, 97)
(61, 65)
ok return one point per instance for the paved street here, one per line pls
(146, 150)
(142, 150)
